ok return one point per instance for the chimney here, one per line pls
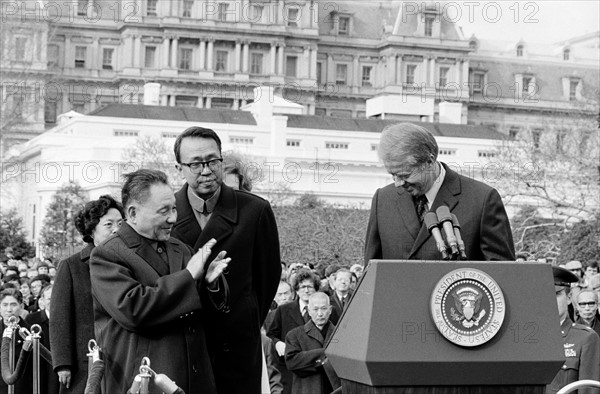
(152, 93)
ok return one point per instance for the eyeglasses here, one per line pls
(307, 287)
(322, 309)
(197, 166)
(584, 304)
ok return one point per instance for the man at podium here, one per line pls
(396, 227)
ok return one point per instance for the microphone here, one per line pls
(461, 244)
(445, 217)
(432, 223)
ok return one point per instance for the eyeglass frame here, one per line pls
(584, 304)
(200, 165)
(401, 179)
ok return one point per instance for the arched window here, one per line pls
(520, 50)
(566, 54)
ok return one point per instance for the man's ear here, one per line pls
(131, 214)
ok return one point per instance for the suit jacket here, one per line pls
(394, 231)
(305, 357)
(337, 307)
(49, 383)
(72, 323)
(243, 225)
(144, 307)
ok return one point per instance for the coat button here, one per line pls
(226, 347)
(194, 368)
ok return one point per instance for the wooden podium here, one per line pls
(388, 340)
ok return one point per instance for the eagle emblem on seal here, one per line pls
(468, 306)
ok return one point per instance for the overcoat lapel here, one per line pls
(175, 256)
(407, 212)
(221, 222)
(143, 249)
(313, 332)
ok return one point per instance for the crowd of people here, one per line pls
(194, 281)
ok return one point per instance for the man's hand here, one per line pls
(280, 347)
(64, 376)
(196, 264)
(216, 267)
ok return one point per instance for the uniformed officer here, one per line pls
(581, 343)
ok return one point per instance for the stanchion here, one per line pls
(35, 341)
(141, 382)
(95, 368)
(11, 376)
(13, 323)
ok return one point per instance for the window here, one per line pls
(344, 26)
(80, 56)
(150, 57)
(478, 81)
(486, 154)
(336, 145)
(560, 140)
(566, 54)
(290, 66)
(241, 140)
(20, 48)
(187, 8)
(185, 101)
(341, 74)
(221, 61)
(410, 73)
(151, 7)
(374, 147)
(82, 7)
(319, 72)
(125, 133)
(320, 111)
(219, 102)
(168, 134)
(50, 111)
(444, 76)
(513, 132)
(185, 58)
(52, 55)
(536, 135)
(429, 27)
(222, 12)
(292, 17)
(293, 143)
(447, 152)
(107, 58)
(520, 51)
(573, 90)
(366, 75)
(256, 63)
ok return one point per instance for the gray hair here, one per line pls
(318, 295)
(137, 185)
(406, 144)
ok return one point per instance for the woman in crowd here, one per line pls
(72, 323)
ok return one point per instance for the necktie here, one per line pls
(421, 206)
(305, 314)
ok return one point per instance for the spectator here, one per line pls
(591, 269)
(330, 275)
(341, 295)
(36, 284)
(357, 269)
(26, 292)
(272, 373)
(305, 353)
(582, 345)
(587, 306)
(235, 174)
(48, 379)
(11, 270)
(289, 316)
(11, 304)
(43, 269)
(353, 281)
(72, 325)
(147, 289)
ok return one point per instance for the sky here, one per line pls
(545, 21)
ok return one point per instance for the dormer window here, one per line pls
(429, 26)
(344, 26)
(292, 17)
(520, 51)
(567, 54)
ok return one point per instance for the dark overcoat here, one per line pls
(72, 323)
(305, 357)
(394, 231)
(144, 308)
(243, 225)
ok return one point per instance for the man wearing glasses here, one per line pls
(396, 229)
(587, 306)
(244, 226)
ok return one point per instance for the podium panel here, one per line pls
(387, 336)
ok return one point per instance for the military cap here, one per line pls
(563, 277)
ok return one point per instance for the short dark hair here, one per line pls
(305, 274)
(137, 185)
(43, 278)
(195, 132)
(232, 164)
(10, 292)
(88, 218)
(11, 277)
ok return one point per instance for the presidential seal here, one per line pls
(467, 307)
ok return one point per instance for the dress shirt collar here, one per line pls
(435, 188)
(198, 203)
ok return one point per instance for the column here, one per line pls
(164, 100)
(273, 55)
(165, 52)
(137, 47)
(245, 57)
(200, 102)
(424, 78)
(94, 62)
(172, 100)
(330, 71)
(202, 55)
(238, 46)
(209, 57)
(457, 71)
(432, 72)
(236, 104)
(355, 71)
(208, 102)
(305, 67)
(174, 53)
(465, 70)
(281, 19)
(280, 59)
(128, 51)
(313, 64)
